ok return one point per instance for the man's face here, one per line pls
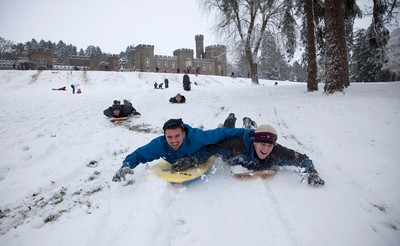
(116, 112)
(263, 149)
(175, 137)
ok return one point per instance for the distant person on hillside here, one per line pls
(178, 99)
(117, 110)
(179, 141)
(166, 82)
(155, 85)
(75, 87)
(258, 150)
(186, 82)
(60, 89)
(160, 86)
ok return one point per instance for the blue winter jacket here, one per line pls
(194, 140)
(240, 151)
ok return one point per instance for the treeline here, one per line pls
(62, 51)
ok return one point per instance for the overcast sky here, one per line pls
(111, 25)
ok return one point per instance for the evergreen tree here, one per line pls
(393, 65)
(370, 52)
(273, 65)
(336, 63)
(81, 52)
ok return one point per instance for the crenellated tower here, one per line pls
(199, 46)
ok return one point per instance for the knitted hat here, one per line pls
(173, 124)
(116, 105)
(265, 134)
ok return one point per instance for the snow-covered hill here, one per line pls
(50, 195)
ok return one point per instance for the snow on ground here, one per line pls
(50, 194)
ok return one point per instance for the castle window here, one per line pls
(188, 63)
(173, 65)
(147, 62)
(165, 64)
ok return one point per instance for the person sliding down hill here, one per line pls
(117, 110)
(257, 150)
(178, 99)
(179, 141)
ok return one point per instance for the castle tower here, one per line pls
(199, 46)
(41, 57)
(218, 54)
(185, 58)
(143, 58)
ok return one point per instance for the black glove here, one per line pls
(184, 164)
(120, 175)
(313, 178)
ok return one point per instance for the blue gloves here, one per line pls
(120, 175)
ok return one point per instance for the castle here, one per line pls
(210, 60)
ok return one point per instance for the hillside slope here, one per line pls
(51, 195)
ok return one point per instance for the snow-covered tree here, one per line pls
(5, 45)
(81, 52)
(248, 22)
(91, 49)
(312, 84)
(272, 65)
(336, 62)
(393, 64)
(370, 52)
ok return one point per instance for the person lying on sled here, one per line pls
(256, 150)
(117, 110)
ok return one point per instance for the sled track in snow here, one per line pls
(286, 134)
(35, 77)
(281, 215)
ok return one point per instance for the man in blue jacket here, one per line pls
(179, 141)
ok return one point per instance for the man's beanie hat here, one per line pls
(173, 123)
(116, 105)
(265, 134)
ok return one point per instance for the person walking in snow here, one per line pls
(258, 150)
(117, 110)
(178, 99)
(186, 82)
(179, 141)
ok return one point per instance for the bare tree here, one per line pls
(336, 63)
(248, 22)
(5, 45)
